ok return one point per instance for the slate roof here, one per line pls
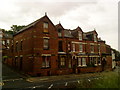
(32, 24)
(67, 33)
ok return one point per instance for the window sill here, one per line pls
(96, 64)
(83, 66)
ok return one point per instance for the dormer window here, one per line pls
(45, 27)
(59, 33)
(80, 35)
(95, 38)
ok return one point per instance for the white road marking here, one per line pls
(12, 79)
(66, 84)
(36, 86)
(50, 86)
(29, 80)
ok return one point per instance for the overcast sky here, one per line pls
(88, 14)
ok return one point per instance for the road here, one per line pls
(12, 79)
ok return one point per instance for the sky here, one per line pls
(101, 15)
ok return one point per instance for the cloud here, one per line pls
(98, 14)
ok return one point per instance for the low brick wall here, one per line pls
(89, 69)
(64, 71)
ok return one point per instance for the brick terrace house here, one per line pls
(6, 47)
(42, 48)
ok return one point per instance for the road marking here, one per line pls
(12, 80)
(29, 80)
(66, 84)
(50, 86)
(36, 86)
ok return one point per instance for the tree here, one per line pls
(16, 28)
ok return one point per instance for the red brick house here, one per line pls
(7, 42)
(42, 48)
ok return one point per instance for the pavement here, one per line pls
(65, 77)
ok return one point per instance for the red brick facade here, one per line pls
(41, 48)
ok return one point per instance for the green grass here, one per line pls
(108, 80)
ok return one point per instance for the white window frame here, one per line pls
(62, 61)
(79, 62)
(8, 41)
(95, 61)
(46, 62)
(45, 25)
(73, 47)
(100, 61)
(95, 38)
(84, 62)
(92, 48)
(80, 35)
(80, 48)
(46, 44)
(3, 42)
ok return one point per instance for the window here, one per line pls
(46, 43)
(46, 61)
(69, 63)
(81, 62)
(45, 27)
(62, 61)
(73, 47)
(80, 48)
(99, 61)
(92, 48)
(21, 45)
(3, 42)
(16, 47)
(95, 61)
(95, 39)
(0, 35)
(8, 41)
(91, 61)
(69, 47)
(59, 33)
(60, 47)
(80, 35)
